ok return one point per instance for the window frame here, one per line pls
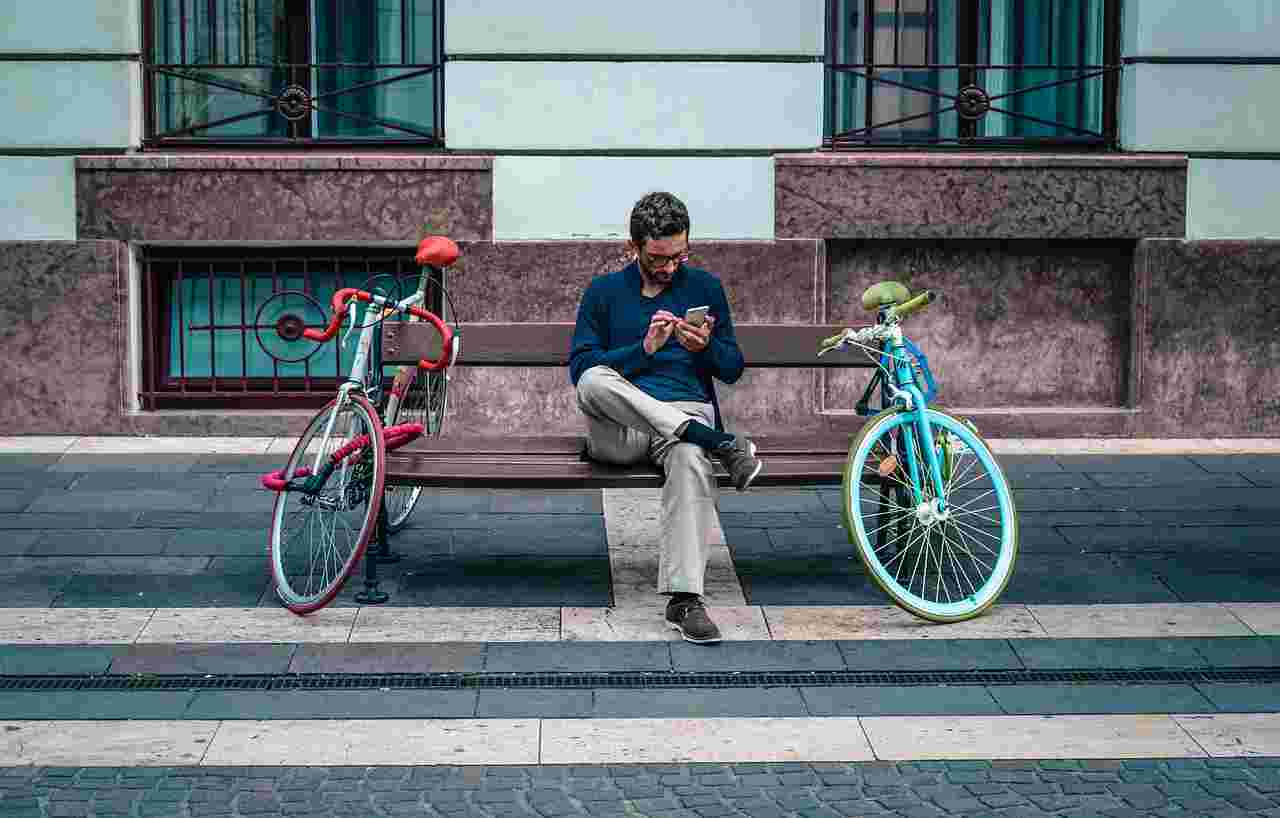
(968, 24)
(161, 390)
(151, 70)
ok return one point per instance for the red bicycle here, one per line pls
(330, 494)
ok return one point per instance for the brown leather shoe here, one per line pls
(689, 616)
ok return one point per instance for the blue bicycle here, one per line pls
(925, 503)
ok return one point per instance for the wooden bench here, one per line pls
(479, 461)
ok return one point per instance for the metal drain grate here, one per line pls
(635, 680)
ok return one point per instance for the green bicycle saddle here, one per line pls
(884, 294)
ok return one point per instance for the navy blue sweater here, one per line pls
(614, 317)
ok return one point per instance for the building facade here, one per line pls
(1091, 184)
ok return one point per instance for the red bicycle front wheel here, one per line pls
(319, 534)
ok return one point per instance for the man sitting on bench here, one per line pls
(644, 380)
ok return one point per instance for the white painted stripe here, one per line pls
(1261, 617)
(723, 741)
(124, 444)
(1180, 619)
(105, 743)
(363, 742)
(623, 741)
(1008, 737)
(457, 625)
(883, 622)
(1228, 735)
(635, 621)
(26, 626)
(332, 624)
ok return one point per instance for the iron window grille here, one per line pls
(972, 73)
(199, 309)
(292, 72)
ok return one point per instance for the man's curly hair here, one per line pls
(657, 216)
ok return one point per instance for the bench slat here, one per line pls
(547, 344)
(555, 462)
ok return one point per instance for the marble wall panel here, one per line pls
(1033, 324)
(766, 282)
(1209, 352)
(285, 198)
(980, 196)
(60, 336)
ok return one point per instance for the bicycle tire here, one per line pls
(416, 396)
(313, 546)
(869, 513)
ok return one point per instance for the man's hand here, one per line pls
(660, 327)
(694, 338)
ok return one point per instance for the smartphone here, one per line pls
(696, 315)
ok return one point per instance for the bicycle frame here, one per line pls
(905, 392)
(359, 377)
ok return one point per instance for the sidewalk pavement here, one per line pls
(521, 666)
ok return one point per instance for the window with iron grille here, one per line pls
(293, 71)
(972, 73)
(202, 313)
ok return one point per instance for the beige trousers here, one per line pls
(627, 426)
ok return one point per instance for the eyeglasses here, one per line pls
(663, 261)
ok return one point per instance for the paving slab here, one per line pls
(772, 500)
(577, 657)
(451, 657)
(1091, 621)
(456, 624)
(54, 660)
(1194, 586)
(913, 700)
(109, 542)
(929, 654)
(199, 591)
(581, 539)
(756, 656)
(522, 581)
(1028, 737)
(47, 521)
(94, 704)
(722, 741)
(1238, 651)
(69, 501)
(699, 703)
(1050, 699)
(247, 625)
(260, 519)
(1241, 698)
(104, 743)
(518, 703)
(1071, 580)
(218, 542)
(332, 704)
(806, 581)
(1167, 463)
(15, 543)
(884, 622)
(1226, 735)
(365, 742)
(1106, 652)
(203, 658)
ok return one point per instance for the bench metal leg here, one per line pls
(371, 595)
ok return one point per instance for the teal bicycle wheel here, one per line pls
(943, 563)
